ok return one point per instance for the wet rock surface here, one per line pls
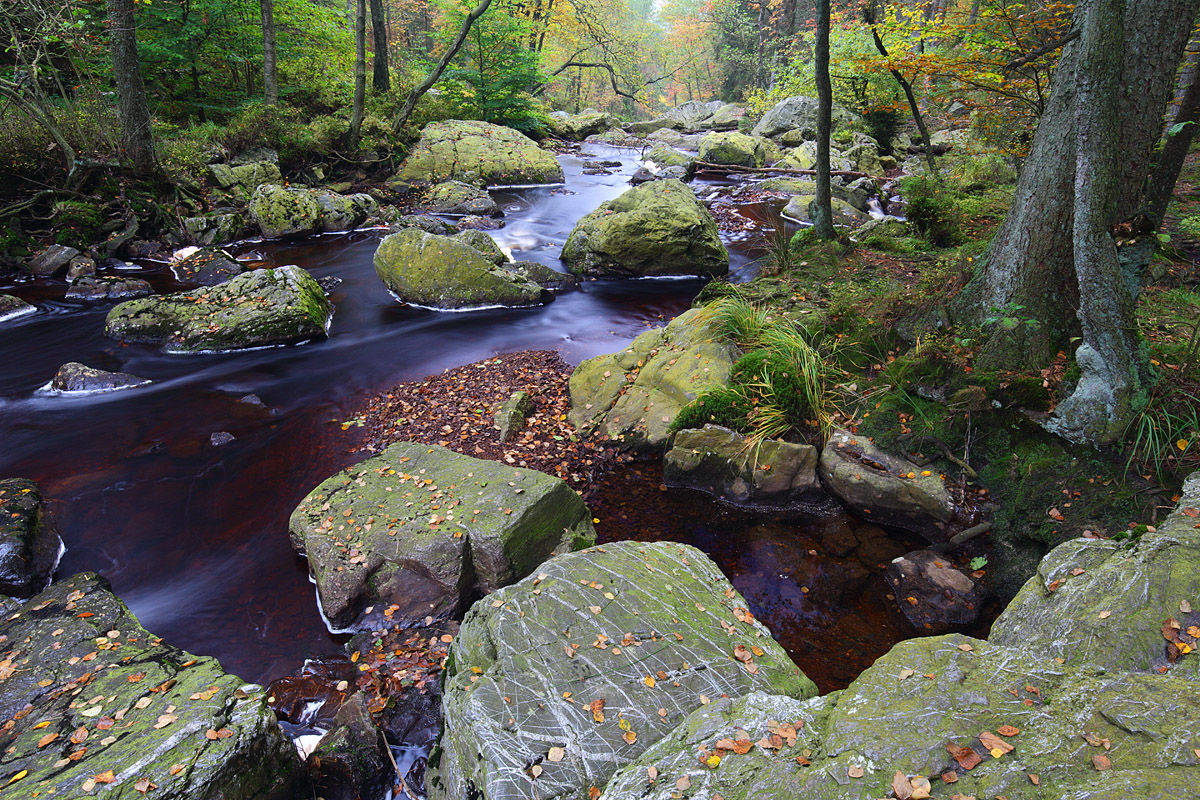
(29, 543)
(599, 655)
(351, 761)
(13, 307)
(95, 703)
(106, 289)
(456, 198)
(722, 463)
(52, 261)
(76, 377)
(258, 308)
(208, 266)
(933, 593)
(418, 528)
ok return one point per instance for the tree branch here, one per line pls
(1041, 51)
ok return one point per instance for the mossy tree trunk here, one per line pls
(822, 211)
(360, 73)
(270, 69)
(137, 140)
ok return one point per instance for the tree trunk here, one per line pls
(381, 78)
(822, 210)
(1179, 137)
(433, 76)
(270, 68)
(1110, 358)
(137, 139)
(360, 74)
(1029, 270)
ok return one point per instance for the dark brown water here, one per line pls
(193, 536)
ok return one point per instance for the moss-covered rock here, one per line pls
(457, 198)
(212, 229)
(446, 272)
(600, 654)
(663, 155)
(99, 706)
(634, 395)
(480, 154)
(799, 209)
(578, 127)
(256, 309)
(732, 148)
(419, 528)
(659, 228)
(279, 212)
(485, 245)
(800, 113)
(29, 544)
(344, 212)
(247, 176)
(722, 463)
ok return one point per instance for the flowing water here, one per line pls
(192, 534)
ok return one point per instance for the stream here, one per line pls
(193, 535)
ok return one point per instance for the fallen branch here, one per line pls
(706, 165)
(961, 538)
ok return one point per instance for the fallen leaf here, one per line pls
(949, 776)
(1101, 762)
(18, 776)
(855, 771)
(597, 709)
(47, 739)
(901, 786)
(995, 745)
(556, 754)
(921, 790)
(1034, 779)
(649, 681)
(165, 719)
(105, 777)
(966, 757)
(535, 770)
(652, 773)
(684, 783)
(1104, 614)
(144, 785)
(1007, 730)
(630, 737)
(905, 674)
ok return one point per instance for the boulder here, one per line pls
(29, 544)
(107, 289)
(578, 127)
(480, 154)
(280, 212)
(721, 462)
(1109, 605)
(247, 176)
(76, 377)
(510, 417)
(99, 705)
(865, 157)
(725, 118)
(256, 309)
(351, 761)
(476, 222)
(446, 272)
(12, 307)
(401, 529)
(632, 396)
(733, 148)
(666, 156)
(598, 656)
(691, 114)
(669, 136)
(544, 276)
(344, 212)
(887, 489)
(649, 126)
(483, 244)
(207, 266)
(456, 198)
(800, 113)
(933, 593)
(793, 186)
(214, 229)
(802, 157)
(50, 262)
(659, 228)
(844, 214)
(424, 222)
(81, 266)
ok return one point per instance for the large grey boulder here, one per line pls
(691, 114)
(76, 377)
(52, 261)
(418, 528)
(447, 272)
(98, 706)
(800, 113)
(578, 127)
(29, 544)
(558, 681)
(725, 118)
(723, 463)
(480, 154)
(732, 148)
(659, 228)
(255, 309)
(632, 396)
(886, 489)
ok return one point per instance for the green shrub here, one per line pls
(933, 211)
(882, 122)
(728, 408)
(985, 171)
(259, 125)
(77, 224)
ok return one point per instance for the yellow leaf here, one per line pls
(18, 776)
(1182, 444)
(649, 681)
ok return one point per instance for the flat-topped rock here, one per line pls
(478, 153)
(722, 463)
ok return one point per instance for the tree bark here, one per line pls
(433, 76)
(381, 77)
(1178, 143)
(137, 139)
(270, 65)
(360, 74)
(822, 210)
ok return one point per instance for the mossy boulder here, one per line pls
(418, 528)
(732, 148)
(447, 272)
(663, 155)
(457, 198)
(578, 127)
(214, 229)
(480, 154)
(97, 705)
(659, 228)
(800, 114)
(634, 395)
(247, 176)
(799, 208)
(280, 212)
(583, 667)
(483, 244)
(344, 212)
(256, 309)
(29, 544)
(721, 462)
(725, 118)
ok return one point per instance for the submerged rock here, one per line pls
(76, 377)
(480, 154)
(447, 272)
(422, 547)
(207, 266)
(658, 228)
(886, 489)
(142, 718)
(12, 307)
(455, 197)
(632, 396)
(29, 543)
(721, 462)
(932, 593)
(578, 670)
(107, 289)
(256, 309)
